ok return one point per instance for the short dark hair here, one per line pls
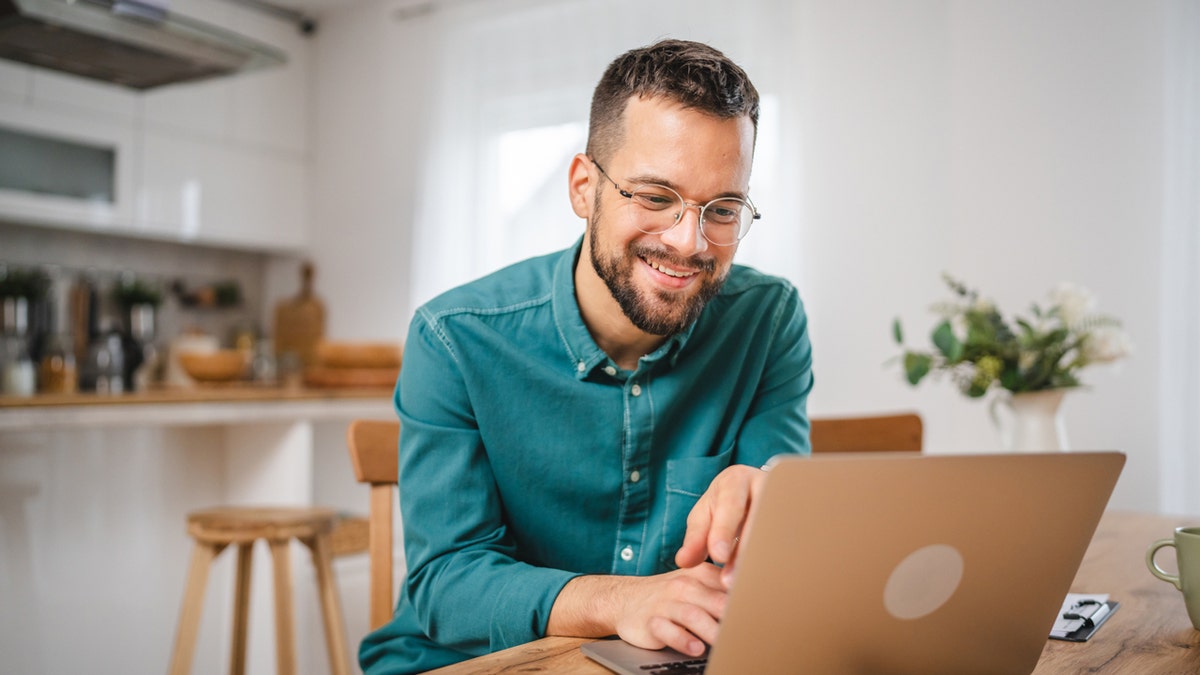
(692, 74)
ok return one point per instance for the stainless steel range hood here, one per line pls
(128, 43)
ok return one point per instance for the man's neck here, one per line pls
(613, 332)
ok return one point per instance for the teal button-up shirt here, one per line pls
(527, 457)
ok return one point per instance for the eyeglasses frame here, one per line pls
(754, 212)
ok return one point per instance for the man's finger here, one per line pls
(693, 551)
(727, 518)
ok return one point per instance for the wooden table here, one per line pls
(1150, 633)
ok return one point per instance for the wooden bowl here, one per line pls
(223, 365)
(340, 354)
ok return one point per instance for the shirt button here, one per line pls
(636, 390)
(581, 366)
(635, 476)
(610, 370)
(627, 554)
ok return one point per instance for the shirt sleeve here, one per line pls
(469, 590)
(777, 422)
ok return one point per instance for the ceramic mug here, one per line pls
(1187, 552)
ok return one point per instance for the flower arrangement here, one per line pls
(980, 349)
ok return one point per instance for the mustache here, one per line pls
(702, 263)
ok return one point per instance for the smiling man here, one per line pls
(582, 432)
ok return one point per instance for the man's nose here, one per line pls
(685, 236)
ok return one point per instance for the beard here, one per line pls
(658, 312)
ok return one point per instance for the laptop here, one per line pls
(890, 563)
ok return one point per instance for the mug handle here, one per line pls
(1155, 569)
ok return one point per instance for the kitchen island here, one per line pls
(190, 405)
(94, 491)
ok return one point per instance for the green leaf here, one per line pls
(897, 332)
(975, 389)
(917, 366)
(947, 344)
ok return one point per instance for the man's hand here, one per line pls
(716, 522)
(678, 609)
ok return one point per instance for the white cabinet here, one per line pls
(111, 208)
(220, 194)
(52, 90)
(14, 81)
(222, 161)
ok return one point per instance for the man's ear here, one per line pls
(580, 187)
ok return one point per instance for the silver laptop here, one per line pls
(893, 563)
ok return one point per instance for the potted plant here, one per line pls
(1031, 360)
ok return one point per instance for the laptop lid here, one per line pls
(909, 563)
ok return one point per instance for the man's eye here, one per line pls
(656, 201)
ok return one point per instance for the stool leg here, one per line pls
(193, 602)
(331, 606)
(241, 608)
(285, 631)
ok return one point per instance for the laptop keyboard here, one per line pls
(689, 667)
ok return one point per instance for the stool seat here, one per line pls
(213, 530)
(237, 524)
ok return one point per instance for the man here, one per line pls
(582, 432)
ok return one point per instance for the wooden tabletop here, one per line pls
(1149, 633)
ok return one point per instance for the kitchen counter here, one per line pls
(94, 496)
(210, 404)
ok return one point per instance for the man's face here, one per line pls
(662, 281)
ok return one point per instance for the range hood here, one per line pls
(133, 44)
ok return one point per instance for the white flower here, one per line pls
(1106, 344)
(958, 325)
(946, 310)
(1073, 301)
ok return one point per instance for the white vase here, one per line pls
(1030, 421)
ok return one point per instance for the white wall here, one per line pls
(370, 84)
(1015, 144)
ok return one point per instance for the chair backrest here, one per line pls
(901, 433)
(374, 454)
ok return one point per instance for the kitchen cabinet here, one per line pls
(222, 194)
(50, 90)
(14, 81)
(222, 162)
(111, 134)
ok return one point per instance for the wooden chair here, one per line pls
(216, 529)
(901, 433)
(373, 446)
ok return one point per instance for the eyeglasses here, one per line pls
(658, 208)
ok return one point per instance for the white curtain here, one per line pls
(515, 79)
(1180, 329)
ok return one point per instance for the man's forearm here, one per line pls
(588, 606)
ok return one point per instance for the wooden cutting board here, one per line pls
(300, 321)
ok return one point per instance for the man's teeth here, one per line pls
(668, 271)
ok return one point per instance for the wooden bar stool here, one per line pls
(213, 530)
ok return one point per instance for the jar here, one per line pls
(17, 376)
(56, 372)
(105, 368)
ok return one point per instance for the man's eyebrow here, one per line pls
(648, 179)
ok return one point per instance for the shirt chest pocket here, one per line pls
(687, 479)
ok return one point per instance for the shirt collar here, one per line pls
(583, 355)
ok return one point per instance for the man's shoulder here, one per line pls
(748, 281)
(527, 283)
